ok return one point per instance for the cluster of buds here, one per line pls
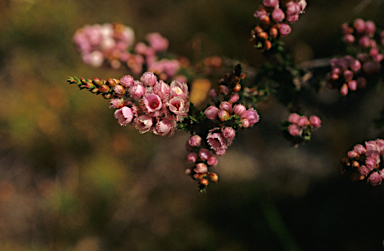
(345, 75)
(300, 128)
(113, 44)
(218, 127)
(350, 73)
(274, 19)
(104, 43)
(150, 104)
(364, 162)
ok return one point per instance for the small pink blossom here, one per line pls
(360, 149)
(239, 109)
(177, 106)
(195, 141)
(234, 98)
(127, 81)
(315, 121)
(228, 132)
(161, 89)
(271, 3)
(278, 15)
(370, 163)
(211, 112)
(375, 179)
(294, 130)
(285, 29)
(148, 79)
(303, 121)
(217, 142)
(164, 127)
(363, 170)
(226, 106)
(152, 102)
(116, 103)
(157, 41)
(144, 123)
(178, 89)
(201, 168)
(137, 90)
(192, 157)
(204, 154)
(124, 115)
(252, 116)
(294, 118)
(212, 161)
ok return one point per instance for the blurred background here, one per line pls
(71, 178)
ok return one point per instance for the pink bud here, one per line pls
(292, 8)
(239, 109)
(359, 25)
(348, 75)
(201, 168)
(352, 85)
(234, 98)
(303, 121)
(148, 79)
(285, 29)
(370, 28)
(204, 154)
(212, 93)
(192, 157)
(127, 81)
(294, 118)
(278, 15)
(294, 130)
(226, 106)
(195, 141)
(212, 161)
(349, 38)
(211, 112)
(315, 121)
(344, 89)
(223, 115)
(228, 133)
(375, 179)
(271, 3)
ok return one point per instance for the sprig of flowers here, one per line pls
(365, 162)
(299, 128)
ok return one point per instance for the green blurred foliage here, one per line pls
(72, 179)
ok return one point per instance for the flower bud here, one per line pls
(104, 88)
(212, 161)
(234, 98)
(239, 109)
(204, 182)
(315, 121)
(213, 177)
(211, 112)
(204, 154)
(267, 45)
(237, 88)
(226, 106)
(223, 115)
(285, 29)
(119, 89)
(192, 157)
(278, 15)
(273, 32)
(201, 168)
(195, 141)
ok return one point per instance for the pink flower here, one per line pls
(204, 154)
(239, 109)
(226, 106)
(212, 161)
(294, 118)
(228, 133)
(360, 149)
(164, 127)
(260, 13)
(152, 102)
(271, 3)
(294, 130)
(192, 157)
(285, 29)
(201, 168)
(252, 116)
(124, 115)
(217, 142)
(363, 170)
(212, 93)
(148, 79)
(178, 89)
(116, 103)
(138, 90)
(375, 179)
(370, 163)
(380, 145)
(303, 121)
(278, 15)
(157, 41)
(195, 141)
(144, 123)
(353, 154)
(292, 8)
(177, 106)
(315, 121)
(161, 89)
(234, 98)
(127, 81)
(211, 112)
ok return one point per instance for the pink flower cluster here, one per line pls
(301, 126)
(350, 73)
(107, 42)
(114, 44)
(275, 18)
(366, 161)
(149, 104)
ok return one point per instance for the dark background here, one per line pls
(72, 179)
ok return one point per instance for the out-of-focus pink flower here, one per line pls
(144, 123)
(226, 106)
(95, 58)
(370, 163)
(360, 149)
(116, 103)
(234, 98)
(148, 79)
(278, 15)
(157, 41)
(192, 157)
(260, 13)
(195, 141)
(211, 112)
(204, 154)
(228, 132)
(294, 130)
(294, 118)
(212, 161)
(201, 168)
(375, 178)
(285, 29)
(315, 121)
(363, 170)
(271, 3)
(359, 25)
(353, 154)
